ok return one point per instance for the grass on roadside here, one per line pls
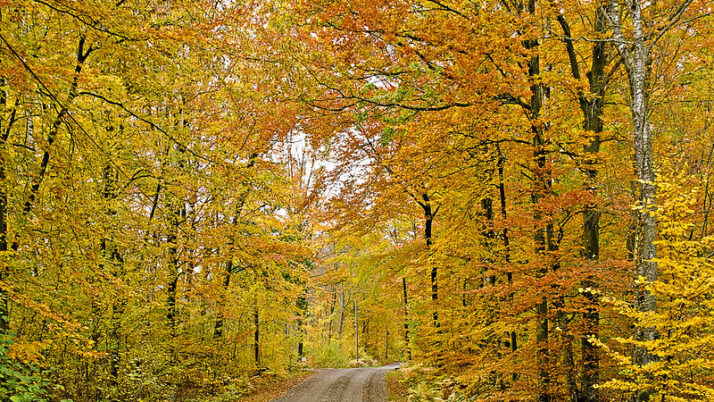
(397, 389)
(268, 391)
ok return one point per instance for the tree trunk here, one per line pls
(645, 265)
(302, 305)
(386, 344)
(176, 212)
(592, 113)
(54, 128)
(635, 59)
(541, 187)
(82, 55)
(542, 330)
(513, 338)
(333, 303)
(256, 336)
(4, 302)
(365, 335)
(172, 285)
(218, 325)
(342, 315)
(356, 333)
(113, 261)
(4, 268)
(240, 203)
(428, 222)
(406, 318)
(565, 337)
(592, 108)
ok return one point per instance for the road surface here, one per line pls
(342, 385)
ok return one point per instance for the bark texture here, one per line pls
(634, 54)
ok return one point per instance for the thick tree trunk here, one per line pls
(541, 187)
(635, 59)
(592, 108)
(645, 266)
(592, 112)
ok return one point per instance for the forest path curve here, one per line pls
(342, 385)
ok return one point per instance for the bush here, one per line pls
(20, 382)
(331, 356)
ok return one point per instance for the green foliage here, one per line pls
(331, 356)
(234, 390)
(20, 382)
(387, 135)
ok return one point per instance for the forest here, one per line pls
(510, 197)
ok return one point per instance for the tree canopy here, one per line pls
(512, 197)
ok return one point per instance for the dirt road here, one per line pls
(342, 385)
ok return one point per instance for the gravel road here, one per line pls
(342, 385)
